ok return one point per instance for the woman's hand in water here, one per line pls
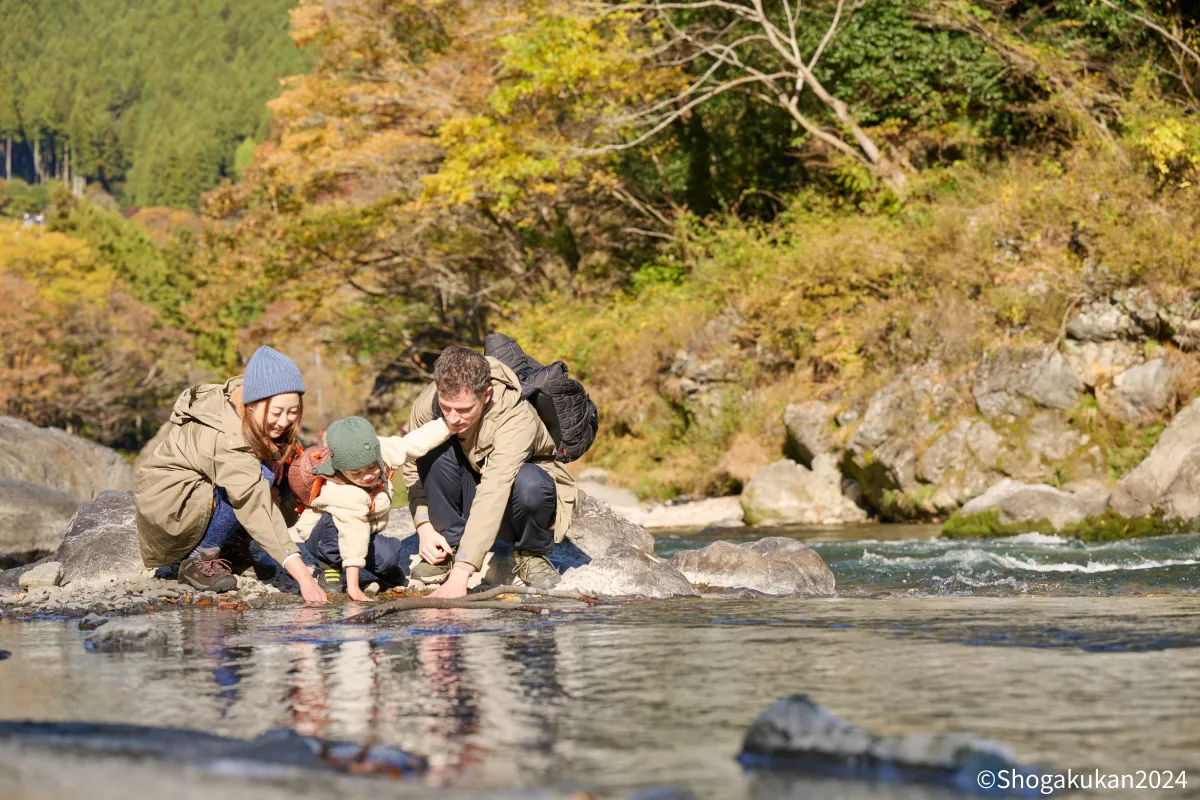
(312, 593)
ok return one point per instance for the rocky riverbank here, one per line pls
(1079, 437)
(97, 568)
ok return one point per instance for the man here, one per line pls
(495, 477)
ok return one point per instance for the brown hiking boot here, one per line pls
(535, 570)
(428, 573)
(207, 572)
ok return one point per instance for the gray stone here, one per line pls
(961, 463)
(92, 621)
(100, 544)
(1093, 495)
(1012, 383)
(1101, 321)
(121, 636)
(59, 460)
(1096, 363)
(774, 565)
(1022, 502)
(846, 418)
(595, 528)
(900, 420)
(810, 430)
(32, 518)
(787, 493)
(48, 573)
(627, 572)
(1140, 392)
(1167, 482)
(798, 735)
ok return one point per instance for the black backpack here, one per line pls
(561, 402)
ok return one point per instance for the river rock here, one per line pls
(787, 493)
(59, 460)
(961, 463)
(1101, 321)
(1012, 383)
(32, 518)
(628, 572)
(1167, 482)
(774, 565)
(4, 655)
(722, 512)
(1140, 392)
(798, 735)
(48, 573)
(810, 430)
(595, 528)
(120, 636)
(1022, 502)
(100, 544)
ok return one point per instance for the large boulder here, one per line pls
(628, 572)
(1167, 482)
(622, 501)
(1096, 363)
(1140, 392)
(595, 528)
(32, 518)
(59, 460)
(787, 493)
(100, 544)
(901, 418)
(1102, 321)
(1021, 502)
(961, 463)
(773, 565)
(1012, 383)
(810, 430)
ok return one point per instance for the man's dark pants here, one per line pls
(450, 486)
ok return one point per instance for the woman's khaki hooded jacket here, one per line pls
(204, 449)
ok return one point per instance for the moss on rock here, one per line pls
(1107, 527)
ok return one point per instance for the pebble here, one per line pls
(5, 654)
(91, 622)
(120, 637)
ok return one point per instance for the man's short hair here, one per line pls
(460, 368)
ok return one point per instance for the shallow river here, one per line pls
(1074, 656)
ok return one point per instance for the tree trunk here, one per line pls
(67, 164)
(37, 160)
(8, 158)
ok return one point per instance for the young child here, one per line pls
(352, 501)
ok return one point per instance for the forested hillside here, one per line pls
(713, 209)
(150, 99)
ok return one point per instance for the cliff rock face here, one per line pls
(59, 460)
(1167, 482)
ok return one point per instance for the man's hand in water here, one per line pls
(456, 583)
(433, 546)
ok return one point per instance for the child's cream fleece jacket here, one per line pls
(359, 513)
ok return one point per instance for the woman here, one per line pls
(216, 477)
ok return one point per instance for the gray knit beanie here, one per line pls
(352, 445)
(268, 373)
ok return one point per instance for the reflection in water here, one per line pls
(629, 696)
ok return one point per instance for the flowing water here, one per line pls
(1079, 657)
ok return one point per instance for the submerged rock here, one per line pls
(1167, 482)
(4, 654)
(59, 460)
(122, 637)
(773, 565)
(47, 573)
(787, 493)
(797, 735)
(628, 572)
(32, 518)
(100, 544)
(1015, 502)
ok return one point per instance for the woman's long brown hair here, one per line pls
(266, 449)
